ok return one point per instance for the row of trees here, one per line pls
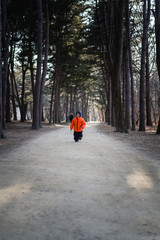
(126, 46)
(54, 41)
(67, 54)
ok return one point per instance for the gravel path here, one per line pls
(52, 188)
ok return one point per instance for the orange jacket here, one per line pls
(78, 124)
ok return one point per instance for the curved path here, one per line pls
(52, 188)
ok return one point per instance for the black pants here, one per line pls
(78, 136)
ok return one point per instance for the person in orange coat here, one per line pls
(78, 124)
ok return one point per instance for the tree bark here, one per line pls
(45, 59)
(58, 72)
(146, 19)
(106, 55)
(116, 75)
(131, 70)
(12, 79)
(127, 66)
(109, 98)
(71, 101)
(8, 110)
(6, 55)
(51, 104)
(36, 103)
(132, 89)
(74, 100)
(157, 27)
(66, 107)
(1, 104)
(22, 105)
(148, 97)
(84, 105)
(13, 93)
(30, 60)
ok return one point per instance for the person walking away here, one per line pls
(78, 124)
(71, 117)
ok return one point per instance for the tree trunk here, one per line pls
(158, 128)
(84, 105)
(146, 19)
(157, 25)
(45, 59)
(74, 107)
(16, 96)
(36, 103)
(8, 110)
(109, 100)
(51, 105)
(1, 104)
(86, 109)
(13, 94)
(71, 101)
(76, 104)
(127, 67)
(132, 89)
(12, 80)
(58, 72)
(6, 55)
(148, 97)
(30, 60)
(22, 106)
(116, 75)
(131, 70)
(66, 107)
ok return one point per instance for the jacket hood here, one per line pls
(79, 113)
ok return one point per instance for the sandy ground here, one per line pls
(100, 188)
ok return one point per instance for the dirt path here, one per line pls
(98, 189)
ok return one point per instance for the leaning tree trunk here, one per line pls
(146, 19)
(12, 50)
(36, 103)
(157, 16)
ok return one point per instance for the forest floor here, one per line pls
(105, 187)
